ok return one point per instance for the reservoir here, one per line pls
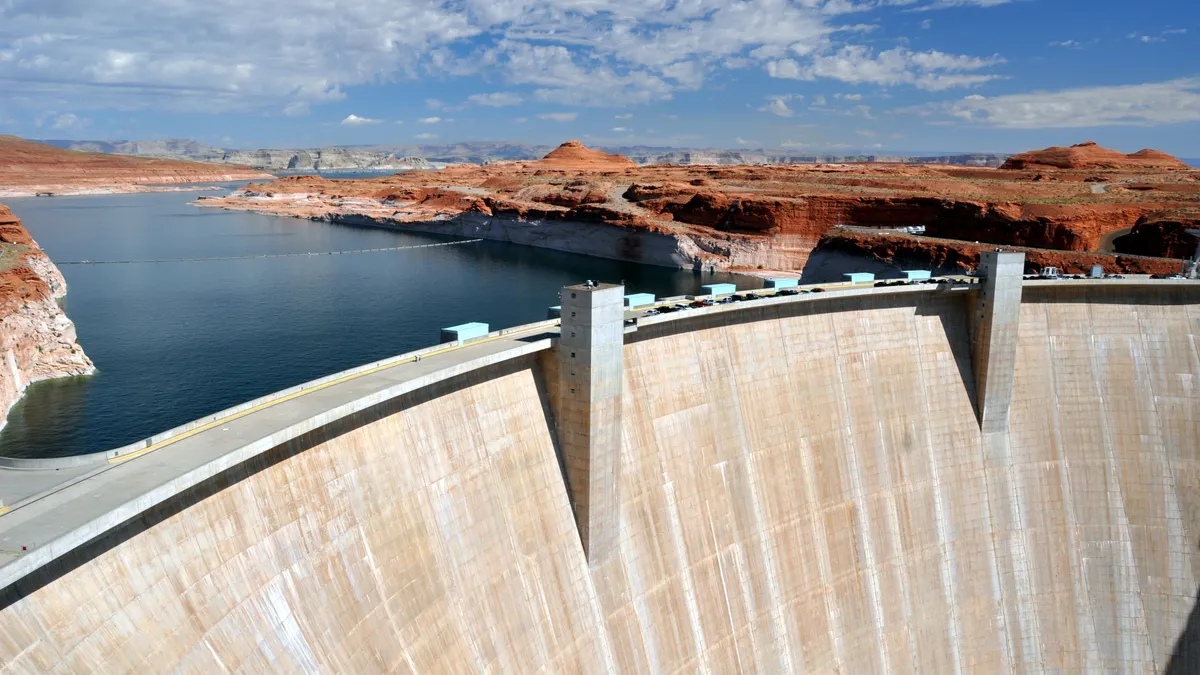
(176, 341)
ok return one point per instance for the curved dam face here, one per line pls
(802, 485)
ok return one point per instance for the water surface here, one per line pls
(177, 341)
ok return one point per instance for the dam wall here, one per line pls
(803, 487)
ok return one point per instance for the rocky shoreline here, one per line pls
(681, 248)
(109, 189)
(37, 340)
(31, 169)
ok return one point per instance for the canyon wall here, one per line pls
(37, 340)
(803, 488)
(945, 256)
(412, 156)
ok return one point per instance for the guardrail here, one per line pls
(138, 447)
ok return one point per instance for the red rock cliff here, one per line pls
(1089, 155)
(37, 340)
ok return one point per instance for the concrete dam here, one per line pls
(991, 477)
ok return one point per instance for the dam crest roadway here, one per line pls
(996, 476)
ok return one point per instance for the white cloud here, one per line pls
(296, 109)
(497, 99)
(746, 142)
(559, 78)
(926, 24)
(1144, 38)
(225, 55)
(930, 70)
(1073, 44)
(559, 116)
(217, 55)
(626, 116)
(68, 121)
(778, 105)
(425, 137)
(923, 5)
(430, 120)
(618, 129)
(1174, 31)
(849, 97)
(670, 117)
(353, 120)
(1171, 102)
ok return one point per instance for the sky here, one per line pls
(808, 76)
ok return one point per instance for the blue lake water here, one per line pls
(176, 341)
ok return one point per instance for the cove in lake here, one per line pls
(173, 342)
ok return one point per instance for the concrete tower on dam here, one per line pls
(993, 475)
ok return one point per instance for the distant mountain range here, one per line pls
(401, 157)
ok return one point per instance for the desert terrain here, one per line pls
(28, 169)
(1068, 207)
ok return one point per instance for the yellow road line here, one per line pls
(295, 394)
(4, 509)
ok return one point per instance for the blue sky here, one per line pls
(805, 75)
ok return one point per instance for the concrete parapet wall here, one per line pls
(101, 458)
(804, 487)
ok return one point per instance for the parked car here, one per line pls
(789, 291)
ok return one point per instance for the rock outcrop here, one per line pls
(37, 340)
(28, 168)
(1167, 235)
(1089, 155)
(733, 217)
(955, 257)
(576, 155)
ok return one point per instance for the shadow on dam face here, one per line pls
(1185, 658)
(186, 499)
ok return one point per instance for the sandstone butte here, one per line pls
(37, 341)
(1089, 155)
(772, 218)
(28, 168)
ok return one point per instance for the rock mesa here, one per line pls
(1089, 155)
